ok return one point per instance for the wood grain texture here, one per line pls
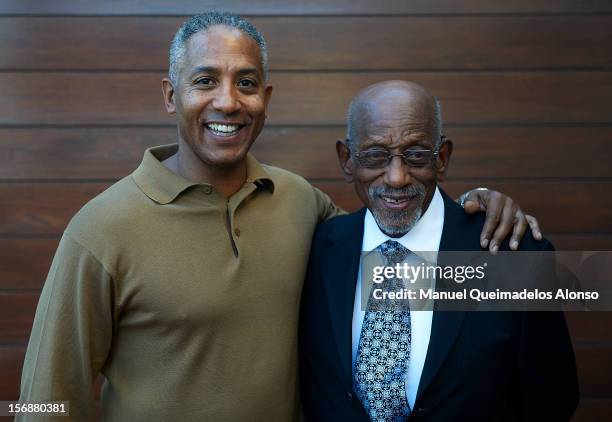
(313, 98)
(42, 209)
(16, 316)
(580, 242)
(525, 87)
(316, 43)
(590, 327)
(24, 263)
(593, 410)
(482, 153)
(45, 208)
(594, 369)
(11, 362)
(317, 7)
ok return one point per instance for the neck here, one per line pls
(227, 180)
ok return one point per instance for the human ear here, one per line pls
(168, 93)
(344, 159)
(267, 95)
(443, 159)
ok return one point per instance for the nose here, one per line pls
(226, 99)
(397, 173)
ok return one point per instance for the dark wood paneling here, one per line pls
(24, 263)
(76, 153)
(313, 98)
(593, 410)
(581, 242)
(11, 362)
(42, 209)
(16, 316)
(393, 43)
(111, 153)
(589, 327)
(279, 7)
(594, 369)
(563, 208)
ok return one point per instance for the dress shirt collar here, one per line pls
(163, 186)
(424, 236)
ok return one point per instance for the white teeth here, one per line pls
(392, 200)
(223, 129)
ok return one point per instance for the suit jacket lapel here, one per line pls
(340, 270)
(445, 325)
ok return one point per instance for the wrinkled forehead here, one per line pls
(400, 117)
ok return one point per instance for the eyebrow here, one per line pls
(248, 71)
(215, 70)
(204, 69)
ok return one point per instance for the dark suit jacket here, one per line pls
(480, 366)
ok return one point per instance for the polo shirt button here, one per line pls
(237, 232)
(349, 396)
(207, 190)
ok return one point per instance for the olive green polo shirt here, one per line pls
(185, 301)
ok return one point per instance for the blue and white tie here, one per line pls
(384, 351)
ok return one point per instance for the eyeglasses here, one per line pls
(379, 157)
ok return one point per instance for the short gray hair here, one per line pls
(202, 22)
(352, 110)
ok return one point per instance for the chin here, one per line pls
(396, 224)
(224, 159)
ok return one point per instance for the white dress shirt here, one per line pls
(424, 236)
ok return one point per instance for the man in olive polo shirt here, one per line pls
(181, 282)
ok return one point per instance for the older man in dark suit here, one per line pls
(361, 363)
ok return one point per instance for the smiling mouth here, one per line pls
(392, 200)
(224, 130)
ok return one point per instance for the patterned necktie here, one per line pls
(384, 350)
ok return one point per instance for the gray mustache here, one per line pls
(410, 190)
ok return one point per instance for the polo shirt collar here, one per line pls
(163, 186)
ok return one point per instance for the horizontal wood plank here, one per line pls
(593, 410)
(16, 316)
(279, 7)
(42, 209)
(581, 242)
(11, 362)
(562, 207)
(313, 98)
(24, 263)
(594, 369)
(316, 43)
(590, 327)
(483, 153)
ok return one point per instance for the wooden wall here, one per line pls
(525, 87)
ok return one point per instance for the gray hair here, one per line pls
(202, 22)
(352, 111)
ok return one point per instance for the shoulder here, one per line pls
(284, 179)
(343, 228)
(109, 213)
